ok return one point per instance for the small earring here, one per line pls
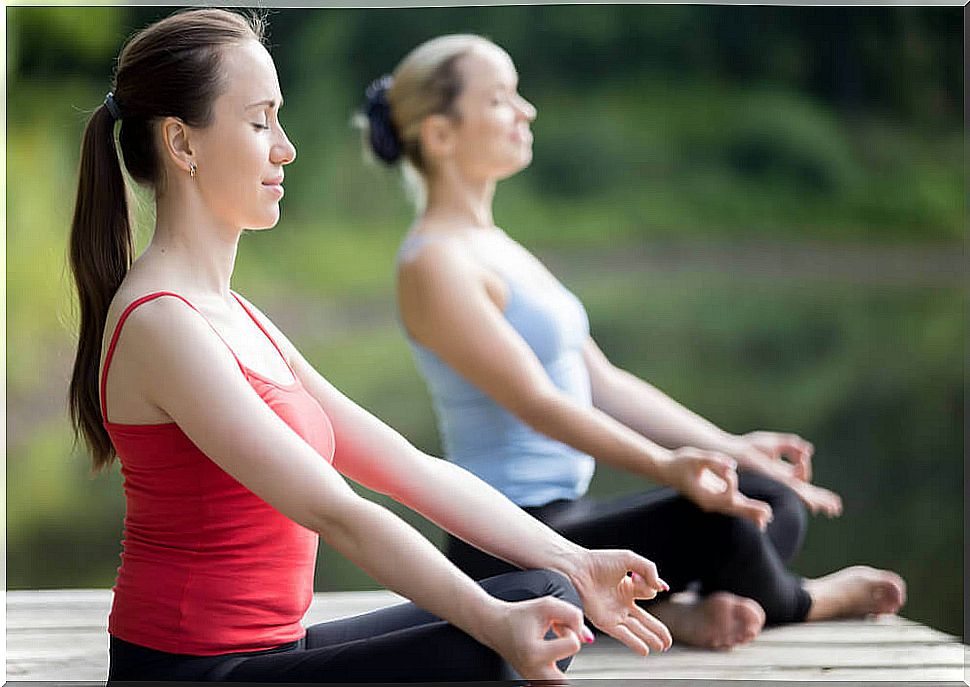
(192, 170)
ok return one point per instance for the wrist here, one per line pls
(575, 564)
(663, 462)
(492, 622)
(734, 445)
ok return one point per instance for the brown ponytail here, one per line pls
(171, 68)
(100, 254)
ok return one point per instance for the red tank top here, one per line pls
(207, 566)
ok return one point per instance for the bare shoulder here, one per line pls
(139, 320)
(432, 259)
(165, 323)
(437, 267)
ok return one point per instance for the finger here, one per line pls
(834, 505)
(720, 464)
(645, 578)
(585, 634)
(730, 478)
(800, 453)
(634, 587)
(802, 469)
(713, 485)
(623, 634)
(552, 650)
(778, 469)
(654, 625)
(644, 634)
(562, 613)
(810, 501)
(758, 512)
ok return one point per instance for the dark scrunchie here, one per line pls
(113, 106)
(383, 136)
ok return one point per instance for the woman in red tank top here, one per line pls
(233, 448)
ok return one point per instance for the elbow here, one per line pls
(422, 476)
(540, 408)
(332, 517)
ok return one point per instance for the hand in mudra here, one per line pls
(609, 583)
(766, 453)
(710, 480)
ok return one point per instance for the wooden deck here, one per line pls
(61, 636)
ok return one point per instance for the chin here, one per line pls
(516, 168)
(267, 221)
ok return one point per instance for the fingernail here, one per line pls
(588, 637)
(664, 585)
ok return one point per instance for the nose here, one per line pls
(526, 109)
(284, 152)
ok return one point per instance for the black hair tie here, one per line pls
(111, 103)
(383, 136)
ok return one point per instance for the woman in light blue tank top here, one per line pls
(526, 400)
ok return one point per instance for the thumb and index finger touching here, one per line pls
(736, 503)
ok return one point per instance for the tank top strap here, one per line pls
(263, 330)
(117, 333)
(412, 244)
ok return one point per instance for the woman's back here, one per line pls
(478, 433)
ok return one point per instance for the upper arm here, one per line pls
(188, 372)
(601, 370)
(446, 308)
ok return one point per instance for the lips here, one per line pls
(275, 185)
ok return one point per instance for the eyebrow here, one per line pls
(263, 103)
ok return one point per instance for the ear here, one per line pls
(177, 142)
(437, 136)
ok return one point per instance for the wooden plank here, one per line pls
(61, 635)
(880, 629)
(610, 654)
(856, 676)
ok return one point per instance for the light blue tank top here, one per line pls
(528, 467)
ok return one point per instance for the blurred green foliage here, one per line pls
(669, 122)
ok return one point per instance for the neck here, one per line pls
(196, 249)
(456, 202)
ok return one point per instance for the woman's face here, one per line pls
(241, 153)
(492, 137)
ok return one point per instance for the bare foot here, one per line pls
(855, 592)
(718, 621)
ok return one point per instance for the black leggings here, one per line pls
(402, 643)
(689, 546)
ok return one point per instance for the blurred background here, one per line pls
(762, 208)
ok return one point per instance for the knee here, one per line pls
(552, 583)
(559, 586)
(533, 584)
(742, 535)
(789, 524)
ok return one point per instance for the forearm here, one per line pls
(650, 412)
(472, 510)
(590, 430)
(399, 558)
